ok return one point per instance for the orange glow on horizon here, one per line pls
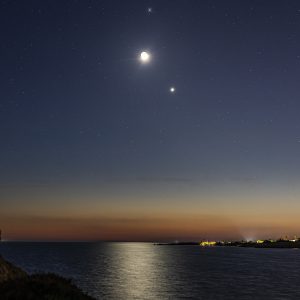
(144, 227)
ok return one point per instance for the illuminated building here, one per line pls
(208, 243)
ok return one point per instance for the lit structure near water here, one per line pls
(208, 243)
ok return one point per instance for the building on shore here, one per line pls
(208, 243)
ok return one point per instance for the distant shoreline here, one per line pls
(281, 244)
(267, 244)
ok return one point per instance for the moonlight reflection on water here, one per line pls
(144, 271)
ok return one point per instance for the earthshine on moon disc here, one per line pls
(145, 57)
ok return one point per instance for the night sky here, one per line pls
(95, 145)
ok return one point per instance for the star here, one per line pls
(149, 10)
(172, 89)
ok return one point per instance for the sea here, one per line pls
(147, 271)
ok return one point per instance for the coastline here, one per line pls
(280, 244)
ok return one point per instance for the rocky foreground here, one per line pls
(17, 284)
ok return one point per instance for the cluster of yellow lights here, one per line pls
(259, 241)
(207, 244)
(272, 241)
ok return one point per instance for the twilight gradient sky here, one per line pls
(94, 146)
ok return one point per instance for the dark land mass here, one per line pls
(267, 244)
(178, 244)
(17, 284)
(282, 244)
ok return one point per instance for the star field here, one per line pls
(165, 104)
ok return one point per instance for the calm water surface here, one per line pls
(144, 271)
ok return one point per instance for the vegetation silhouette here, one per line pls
(17, 284)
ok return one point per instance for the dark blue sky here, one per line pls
(78, 110)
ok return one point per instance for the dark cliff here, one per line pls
(17, 284)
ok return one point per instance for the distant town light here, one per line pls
(208, 243)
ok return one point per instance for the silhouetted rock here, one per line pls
(10, 272)
(16, 284)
